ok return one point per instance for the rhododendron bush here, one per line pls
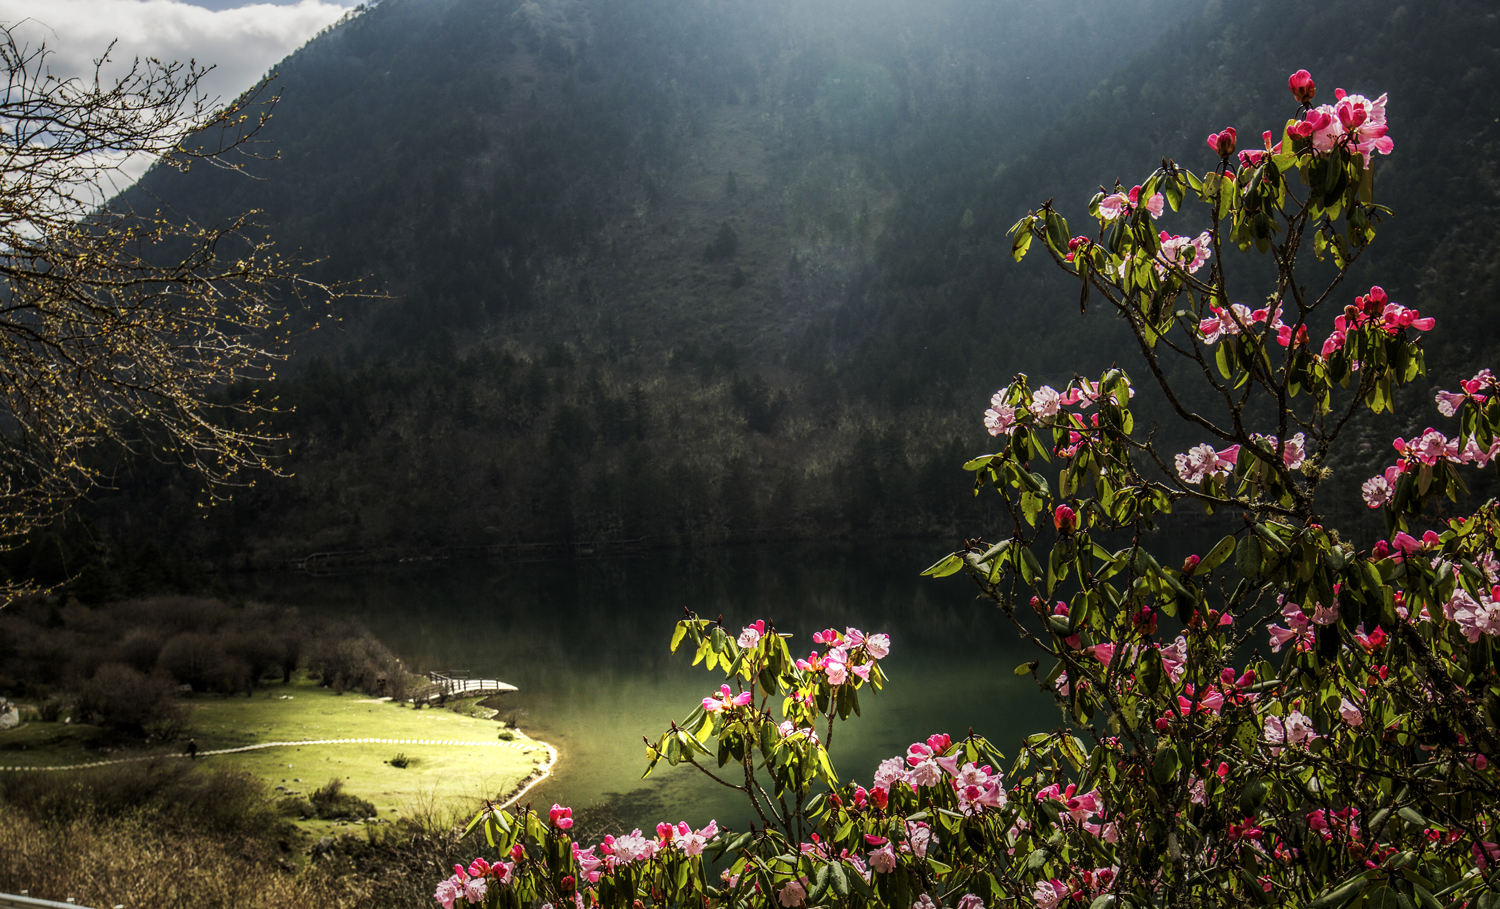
(1288, 718)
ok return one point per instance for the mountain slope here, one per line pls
(675, 270)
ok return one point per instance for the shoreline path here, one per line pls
(542, 772)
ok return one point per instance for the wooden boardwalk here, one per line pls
(453, 684)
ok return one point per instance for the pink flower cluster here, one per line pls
(1202, 461)
(1374, 310)
(1293, 453)
(1474, 617)
(1355, 123)
(1186, 253)
(1295, 729)
(727, 700)
(1448, 402)
(1253, 157)
(928, 764)
(684, 838)
(469, 885)
(751, 634)
(1046, 403)
(1433, 447)
(1238, 318)
(1119, 204)
(843, 656)
(1299, 626)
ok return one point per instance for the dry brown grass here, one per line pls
(130, 862)
(169, 836)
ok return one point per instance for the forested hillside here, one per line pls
(678, 271)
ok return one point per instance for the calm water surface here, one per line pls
(586, 642)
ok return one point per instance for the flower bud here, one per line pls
(1302, 86)
(1064, 519)
(1222, 142)
(1190, 564)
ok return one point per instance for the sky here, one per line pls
(241, 40)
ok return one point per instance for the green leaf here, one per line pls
(838, 878)
(948, 564)
(1164, 768)
(1020, 240)
(1247, 557)
(1151, 670)
(679, 634)
(1252, 796)
(1057, 233)
(1340, 895)
(1218, 555)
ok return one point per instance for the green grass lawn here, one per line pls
(439, 778)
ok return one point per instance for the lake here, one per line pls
(586, 642)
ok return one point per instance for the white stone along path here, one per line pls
(543, 770)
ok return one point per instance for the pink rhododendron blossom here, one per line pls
(1000, 418)
(560, 817)
(1253, 157)
(1295, 729)
(727, 699)
(1186, 253)
(919, 837)
(792, 895)
(1354, 121)
(1377, 491)
(750, 637)
(1046, 401)
(1048, 894)
(1202, 461)
(1174, 659)
(1280, 637)
(1448, 402)
(1484, 854)
(883, 860)
(631, 847)
(1231, 321)
(449, 892)
(1428, 448)
(1197, 791)
(890, 772)
(1475, 618)
(1223, 142)
(926, 773)
(1350, 713)
(1302, 87)
(1293, 454)
(1472, 453)
(924, 902)
(969, 901)
(878, 646)
(1116, 204)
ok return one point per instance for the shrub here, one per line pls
(129, 701)
(332, 803)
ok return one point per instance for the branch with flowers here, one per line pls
(1286, 719)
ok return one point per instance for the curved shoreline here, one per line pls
(538, 776)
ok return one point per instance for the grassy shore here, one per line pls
(438, 778)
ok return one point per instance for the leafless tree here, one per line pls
(141, 330)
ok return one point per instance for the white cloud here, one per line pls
(242, 43)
